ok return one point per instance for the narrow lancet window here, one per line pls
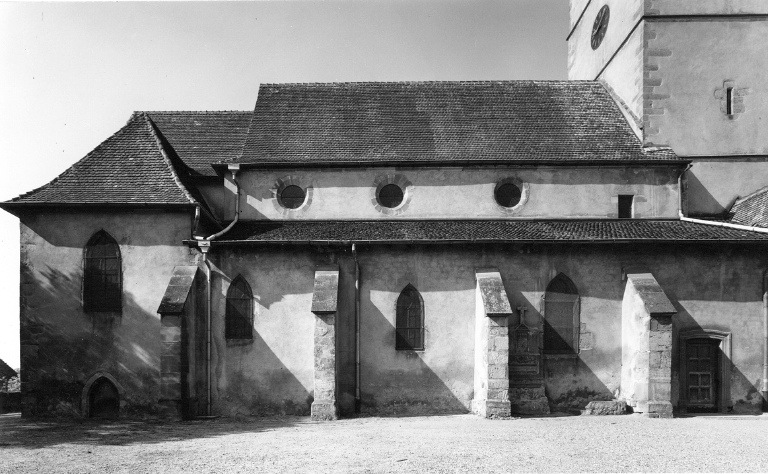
(729, 101)
(238, 320)
(409, 320)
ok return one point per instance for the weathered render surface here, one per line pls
(459, 193)
(709, 287)
(61, 345)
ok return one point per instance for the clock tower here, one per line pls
(690, 75)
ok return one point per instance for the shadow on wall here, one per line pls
(569, 382)
(399, 382)
(266, 388)
(62, 347)
(726, 277)
(748, 399)
(706, 204)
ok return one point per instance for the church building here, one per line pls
(407, 248)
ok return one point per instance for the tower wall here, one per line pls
(671, 63)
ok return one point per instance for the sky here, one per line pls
(71, 74)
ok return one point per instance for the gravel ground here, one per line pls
(458, 443)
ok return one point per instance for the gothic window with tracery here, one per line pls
(102, 275)
(409, 320)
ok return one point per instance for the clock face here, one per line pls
(600, 25)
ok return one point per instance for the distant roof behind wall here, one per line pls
(751, 210)
(202, 138)
(539, 122)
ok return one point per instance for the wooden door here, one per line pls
(702, 375)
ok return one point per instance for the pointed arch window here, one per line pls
(561, 316)
(238, 320)
(409, 321)
(102, 275)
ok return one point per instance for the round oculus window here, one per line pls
(292, 196)
(508, 194)
(600, 25)
(390, 195)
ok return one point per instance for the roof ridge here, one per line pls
(74, 165)
(167, 160)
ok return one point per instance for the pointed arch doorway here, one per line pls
(101, 397)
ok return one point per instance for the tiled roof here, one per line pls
(441, 122)
(751, 210)
(202, 138)
(130, 167)
(485, 231)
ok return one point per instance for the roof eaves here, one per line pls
(18, 198)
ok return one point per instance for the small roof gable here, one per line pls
(130, 167)
(751, 210)
(441, 122)
(202, 138)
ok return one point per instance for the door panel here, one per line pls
(702, 374)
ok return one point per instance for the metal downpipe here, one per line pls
(358, 399)
(207, 329)
(764, 388)
(204, 245)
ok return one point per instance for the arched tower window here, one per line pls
(409, 321)
(561, 316)
(103, 275)
(238, 322)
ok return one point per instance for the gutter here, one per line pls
(344, 243)
(728, 225)
(622, 163)
(204, 245)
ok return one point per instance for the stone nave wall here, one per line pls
(713, 289)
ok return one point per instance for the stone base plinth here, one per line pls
(529, 401)
(613, 407)
(659, 409)
(324, 410)
(491, 408)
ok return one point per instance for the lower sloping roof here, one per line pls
(751, 210)
(401, 231)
